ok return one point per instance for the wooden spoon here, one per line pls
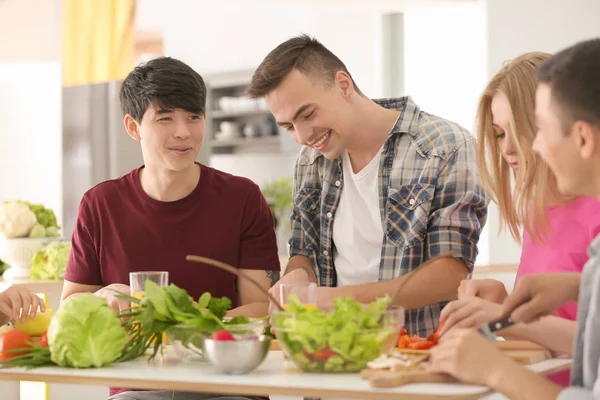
(235, 271)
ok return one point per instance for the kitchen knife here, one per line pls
(489, 329)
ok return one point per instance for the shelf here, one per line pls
(218, 114)
(243, 141)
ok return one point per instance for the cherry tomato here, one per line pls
(13, 339)
(438, 331)
(324, 354)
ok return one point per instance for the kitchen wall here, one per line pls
(450, 53)
(239, 40)
(29, 30)
(518, 26)
(445, 67)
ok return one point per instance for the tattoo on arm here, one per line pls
(273, 276)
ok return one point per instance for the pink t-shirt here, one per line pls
(573, 227)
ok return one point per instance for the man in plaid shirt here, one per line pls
(380, 187)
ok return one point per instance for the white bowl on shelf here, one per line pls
(19, 252)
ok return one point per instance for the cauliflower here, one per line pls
(16, 220)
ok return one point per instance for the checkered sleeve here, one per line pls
(297, 239)
(459, 208)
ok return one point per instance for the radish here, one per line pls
(223, 336)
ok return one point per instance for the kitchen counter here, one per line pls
(270, 378)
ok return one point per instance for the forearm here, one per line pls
(301, 262)
(252, 310)
(519, 383)
(554, 333)
(435, 283)
(73, 295)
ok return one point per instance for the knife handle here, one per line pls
(500, 323)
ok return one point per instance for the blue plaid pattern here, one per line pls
(430, 195)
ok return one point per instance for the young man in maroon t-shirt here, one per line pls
(172, 206)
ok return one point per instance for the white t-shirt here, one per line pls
(357, 228)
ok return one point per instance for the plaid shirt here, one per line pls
(430, 197)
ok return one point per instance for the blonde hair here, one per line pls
(534, 185)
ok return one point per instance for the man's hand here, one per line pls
(110, 294)
(488, 289)
(469, 312)
(297, 276)
(538, 295)
(469, 357)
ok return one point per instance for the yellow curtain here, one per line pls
(97, 40)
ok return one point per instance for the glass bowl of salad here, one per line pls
(341, 339)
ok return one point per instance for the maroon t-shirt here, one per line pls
(120, 229)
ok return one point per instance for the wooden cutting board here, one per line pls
(387, 379)
(274, 345)
(521, 351)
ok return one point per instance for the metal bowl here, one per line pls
(188, 341)
(237, 356)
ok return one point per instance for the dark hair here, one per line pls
(166, 82)
(574, 77)
(302, 52)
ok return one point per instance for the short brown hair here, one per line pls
(303, 53)
(574, 77)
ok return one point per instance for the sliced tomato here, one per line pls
(324, 354)
(422, 344)
(438, 331)
(11, 340)
(403, 341)
(43, 342)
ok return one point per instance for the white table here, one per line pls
(271, 378)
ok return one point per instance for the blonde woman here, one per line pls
(556, 230)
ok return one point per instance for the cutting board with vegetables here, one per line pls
(523, 352)
(401, 368)
(405, 366)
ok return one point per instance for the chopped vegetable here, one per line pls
(438, 332)
(422, 344)
(50, 262)
(405, 341)
(344, 340)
